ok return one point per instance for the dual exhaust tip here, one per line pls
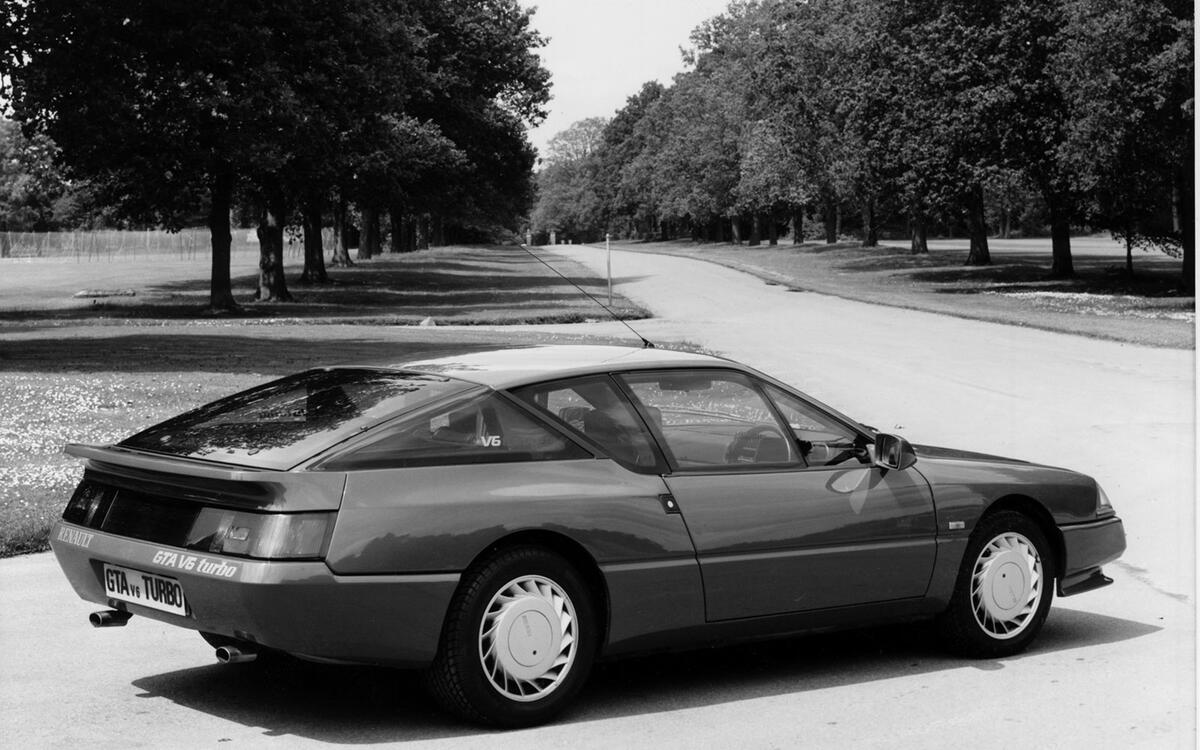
(236, 654)
(109, 618)
(115, 618)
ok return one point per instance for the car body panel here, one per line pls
(299, 607)
(965, 487)
(774, 542)
(415, 520)
(509, 368)
(232, 486)
(1087, 546)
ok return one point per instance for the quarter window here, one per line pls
(712, 419)
(484, 429)
(595, 409)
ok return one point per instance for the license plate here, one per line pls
(146, 589)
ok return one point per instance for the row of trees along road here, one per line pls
(414, 108)
(934, 113)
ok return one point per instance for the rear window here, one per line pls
(284, 422)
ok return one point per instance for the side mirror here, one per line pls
(893, 452)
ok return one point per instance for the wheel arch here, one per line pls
(1035, 511)
(569, 549)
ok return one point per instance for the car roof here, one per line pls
(511, 367)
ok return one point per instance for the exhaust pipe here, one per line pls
(235, 655)
(109, 618)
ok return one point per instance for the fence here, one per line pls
(116, 244)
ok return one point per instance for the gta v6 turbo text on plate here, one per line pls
(503, 519)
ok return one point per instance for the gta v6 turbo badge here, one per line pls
(192, 563)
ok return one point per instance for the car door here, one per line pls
(784, 507)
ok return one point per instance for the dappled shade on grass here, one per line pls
(455, 285)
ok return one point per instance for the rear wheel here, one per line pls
(1003, 591)
(518, 642)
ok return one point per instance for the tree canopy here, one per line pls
(864, 112)
(166, 105)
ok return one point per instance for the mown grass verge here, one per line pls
(1100, 301)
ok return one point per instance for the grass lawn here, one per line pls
(1101, 301)
(95, 370)
(458, 285)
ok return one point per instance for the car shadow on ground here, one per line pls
(362, 705)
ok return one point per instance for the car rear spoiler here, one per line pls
(265, 489)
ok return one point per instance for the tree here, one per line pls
(30, 181)
(1126, 70)
(282, 103)
(567, 200)
(623, 202)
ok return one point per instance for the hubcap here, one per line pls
(1006, 585)
(528, 638)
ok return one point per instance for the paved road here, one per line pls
(1114, 668)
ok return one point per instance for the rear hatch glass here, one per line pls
(282, 423)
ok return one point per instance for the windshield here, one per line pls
(284, 422)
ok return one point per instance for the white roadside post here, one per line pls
(608, 250)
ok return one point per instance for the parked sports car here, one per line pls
(503, 519)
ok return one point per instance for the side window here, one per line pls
(485, 429)
(712, 419)
(594, 408)
(823, 441)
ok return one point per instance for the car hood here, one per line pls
(963, 480)
(933, 451)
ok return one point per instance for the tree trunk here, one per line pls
(837, 221)
(870, 232)
(755, 229)
(979, 254)
(1129, 252)
(772, 229)
(396, 227)
(272, 286)
(314, 248)
(1183, 199)
(920, 236)
(341, 243)
(797, 225)
(220, 296)
(735, 229)
(421, 233)
(1060, 243)
(831, 219)
(368, 244)
(409, 241)
(439, 231)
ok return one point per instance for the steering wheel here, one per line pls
(848, 452)
(744, 448)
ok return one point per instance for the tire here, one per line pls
(1003, 591)
(518, 642)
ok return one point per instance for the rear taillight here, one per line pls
(266, 536)
(88, 505)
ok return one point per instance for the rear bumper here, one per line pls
(1086, 547)
(298, 607)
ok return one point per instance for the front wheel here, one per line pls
(518, 642)
(1003, 591)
